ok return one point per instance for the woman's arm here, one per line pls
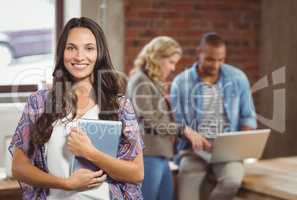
(142, 97)
(121, 170)
(146, 100)
(23, 170)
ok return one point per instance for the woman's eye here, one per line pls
(70, 48)
(90, 48)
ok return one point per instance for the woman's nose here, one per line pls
(173, 68)
(79, 55)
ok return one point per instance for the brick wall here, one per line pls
(238, 21)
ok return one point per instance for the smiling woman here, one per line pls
(85, 85)
(80, 54)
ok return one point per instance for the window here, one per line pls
(27, 32)
(26, 44)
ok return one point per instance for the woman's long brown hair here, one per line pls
(61, 100)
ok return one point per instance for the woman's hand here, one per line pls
(198, 142)
(79, 143)
(84, 179)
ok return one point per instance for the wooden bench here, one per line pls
(273, 179)
(10, 189)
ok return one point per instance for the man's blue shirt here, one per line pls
(187, 101)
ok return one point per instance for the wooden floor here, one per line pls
(273, 179)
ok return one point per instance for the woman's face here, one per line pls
(80, 53)
(168, 64)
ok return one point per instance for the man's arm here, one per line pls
(176, 102)
(248, 119)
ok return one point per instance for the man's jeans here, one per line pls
(193, 170)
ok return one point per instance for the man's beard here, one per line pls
(209, 71)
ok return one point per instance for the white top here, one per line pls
(214, 119)
(59, 160)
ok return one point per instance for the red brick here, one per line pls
(149, 14)
(237, 21)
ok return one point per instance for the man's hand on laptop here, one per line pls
(198, 141)
(246, 128)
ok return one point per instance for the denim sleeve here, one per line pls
(176, 102)
(247, 108)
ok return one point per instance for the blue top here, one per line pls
(186, 99)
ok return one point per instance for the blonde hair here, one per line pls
(150, 55)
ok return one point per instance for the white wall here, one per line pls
(72, 8)
(10, 114)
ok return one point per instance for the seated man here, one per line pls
(211, 97)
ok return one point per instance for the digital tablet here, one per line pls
(105, 136)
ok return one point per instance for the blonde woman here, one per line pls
(147, 90)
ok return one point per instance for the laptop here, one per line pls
(236, 146)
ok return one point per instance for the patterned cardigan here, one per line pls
(130, 145)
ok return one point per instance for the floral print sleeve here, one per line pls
(32, 111)
(131, 145)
